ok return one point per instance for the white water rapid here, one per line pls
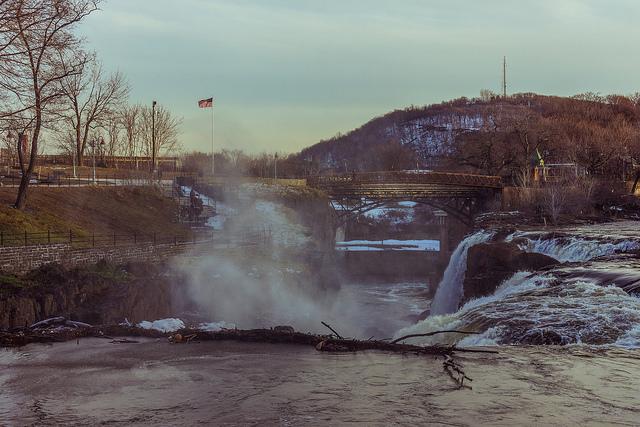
(577, 244)
(592, 298)
(449, 292)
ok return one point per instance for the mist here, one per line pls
(271, 284)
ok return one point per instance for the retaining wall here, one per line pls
(21, 259)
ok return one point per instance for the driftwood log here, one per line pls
(325, 343)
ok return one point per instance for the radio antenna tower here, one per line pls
(504, 76)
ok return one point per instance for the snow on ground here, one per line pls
(216, 326)
(408, 204)
(396, 215)
(172, 325)
(388, 245)
(223, 212)
(163, 325)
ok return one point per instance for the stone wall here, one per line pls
(21, 259)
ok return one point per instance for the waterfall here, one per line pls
(593, 298)
(449, 291)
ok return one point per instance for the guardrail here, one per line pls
(79, 181)
(406, 177)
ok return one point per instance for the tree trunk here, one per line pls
(23, 189)
(635, 183)
(21, 200)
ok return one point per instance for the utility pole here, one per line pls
(504, 76)
(153, 137)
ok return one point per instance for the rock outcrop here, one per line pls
(97, 294)
(489, 264)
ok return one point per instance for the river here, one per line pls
(156, 383)
(589, 304)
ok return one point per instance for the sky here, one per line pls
(287, 73)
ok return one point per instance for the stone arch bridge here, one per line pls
(462, 196)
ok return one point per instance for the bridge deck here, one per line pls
(405, 184)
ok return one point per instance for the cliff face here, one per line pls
(490, 264)
(100, 294)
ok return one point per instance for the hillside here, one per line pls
(497, 136)
(87, 210)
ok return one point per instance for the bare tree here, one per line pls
(167, 128)
(487, 150)
(113, 127)
(393, 156)
(554, 199)
(528, 134)
(130, 115)
(91, 99)
(39, 51)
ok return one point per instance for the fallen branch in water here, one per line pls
(24, 336)
(332, 330)
(455, 372)
(324, 343)
(430, 334)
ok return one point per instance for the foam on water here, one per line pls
(542, 308)
(631, 339)
(573, 248)
(586, 302)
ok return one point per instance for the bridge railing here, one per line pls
(406, 177)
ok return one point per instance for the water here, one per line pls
(225, 383)
(587, 306)
(592, 300)
(358, 310)
(380, 309)
(449, 292)
(583, 243)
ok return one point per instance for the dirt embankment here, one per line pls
(86, 210)
(98, 294)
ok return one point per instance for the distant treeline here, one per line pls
(491, 135)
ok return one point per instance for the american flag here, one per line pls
(206, 103)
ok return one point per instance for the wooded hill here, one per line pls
(493, 135)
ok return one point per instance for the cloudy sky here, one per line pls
(287, 73)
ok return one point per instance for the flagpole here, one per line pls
(213, 153)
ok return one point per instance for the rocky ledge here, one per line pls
(490, 264)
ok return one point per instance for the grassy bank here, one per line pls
(86, 210)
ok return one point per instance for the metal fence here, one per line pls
(93, 240)
(80, 181)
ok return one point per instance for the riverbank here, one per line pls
(91, 210)
(153, 382)
(98, 294)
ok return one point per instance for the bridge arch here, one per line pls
(461, 196)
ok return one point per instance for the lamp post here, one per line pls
(153, 137)
(93, 146)
(275, 166)
(96, 141)
(74, 162)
